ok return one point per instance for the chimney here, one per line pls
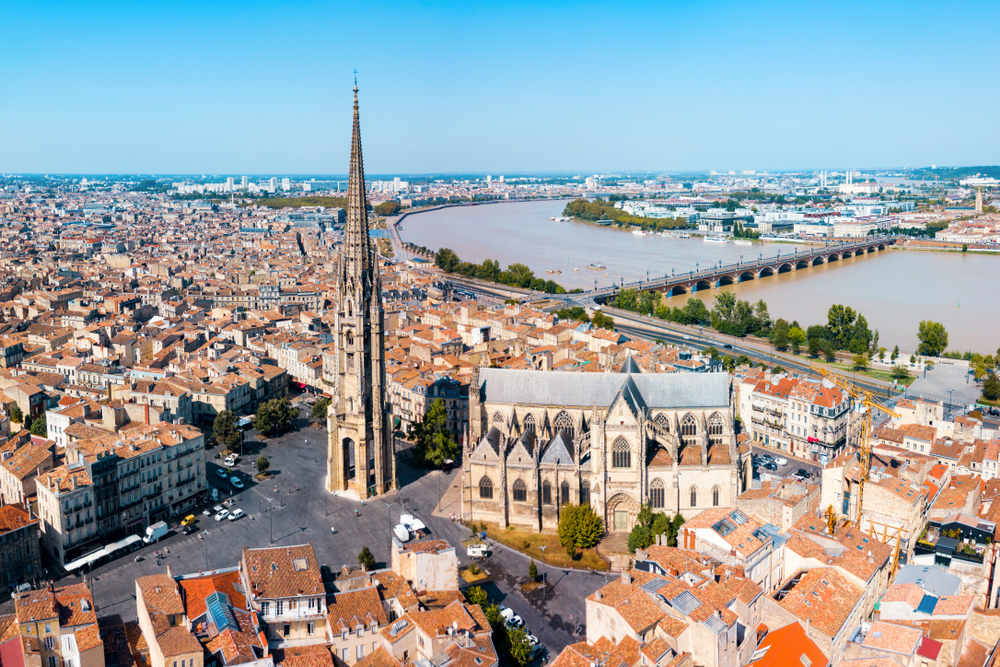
(597, 595)
(871, 558)
(72, 483)
(626, 577)
(170, 572)
(808, 624)
(147, 413)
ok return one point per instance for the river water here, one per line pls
(893, 289)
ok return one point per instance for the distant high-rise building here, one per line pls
(243, 183)
(229, 184)
(489, 179)
(307, 187)
(286, 184)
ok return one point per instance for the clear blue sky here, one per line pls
(264, 87)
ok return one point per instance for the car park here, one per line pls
(236, 482)
(222, 515)
(236, 514)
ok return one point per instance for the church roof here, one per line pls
(632, 397)
(630, 366)
(559, 449)
(562, 388)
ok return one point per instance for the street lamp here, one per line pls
(545, 575)
(270, 518)
(388, 519)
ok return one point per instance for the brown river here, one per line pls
(894, 290)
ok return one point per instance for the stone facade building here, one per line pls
(20, 558)
(541, 440)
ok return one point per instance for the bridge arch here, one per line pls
(747, 275)
(702, 285)
(765, 271)
(727, 279)
(677, 290)
(820, 259)
(785, 268)
(833, 258)
(881, 246)
(802, 264)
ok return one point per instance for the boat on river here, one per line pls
(742, 242)
(638, 232)
(596, 266)
(716, 239)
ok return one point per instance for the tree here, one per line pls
(39, 427)
(435, 442)
(881, 354)
(860, 362)
(533, 571)
(900, 372)
(319, 410)
(640, 537)
(796, 336)
(894, 355)
(829, 350)
(815, 345)
(603, 321)
(580, 526)
(520, 648)
(275, 416)
(991, 387)
(476, 595)
(388, 208)
(779, 335)
(16, 415)
(933, 338)
(224, 429)
(446, 259)
(263, 464)
(840, 324)
(366, 559)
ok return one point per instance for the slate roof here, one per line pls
(666, 390)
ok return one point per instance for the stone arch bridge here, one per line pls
(729, 274)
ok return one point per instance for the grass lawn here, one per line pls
(470, 577)
(885, 376)
(555, 554)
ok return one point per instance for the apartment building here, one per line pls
(284, 587)
(164, 624)
(57, 627)
(20, 558)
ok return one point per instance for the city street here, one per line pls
(789, 468)
(301, 511)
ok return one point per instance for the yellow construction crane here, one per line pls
(867, 401)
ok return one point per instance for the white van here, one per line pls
(401, 532)
(477, 551)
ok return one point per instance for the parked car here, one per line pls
(510, 618)
(189, 520)
(206, 512)
(781, 461)
(236, 482)
(221, 472)
(222, 515)
(236, 514)
(20, 588)
(771, 465)
(477, 551)
(802, 472)
(232, 460)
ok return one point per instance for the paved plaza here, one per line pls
(301, 511)
(948, 375)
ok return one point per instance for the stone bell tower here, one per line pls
(361, 456)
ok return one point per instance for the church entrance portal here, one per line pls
(621, 520)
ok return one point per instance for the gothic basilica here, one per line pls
(541, 440)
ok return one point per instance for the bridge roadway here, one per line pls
(728, 274)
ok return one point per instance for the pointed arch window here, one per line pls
(564, 493)
(657, 495)
(715, 429)
(584, 494)
(486, 488)
(715, 496)
(529, 424)
(546, 493)
(564, 424)
(621, 454)
(694, 496)
(520, 491)
(689, 426)
(498, 420)
(349, 338)
(662, 423)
